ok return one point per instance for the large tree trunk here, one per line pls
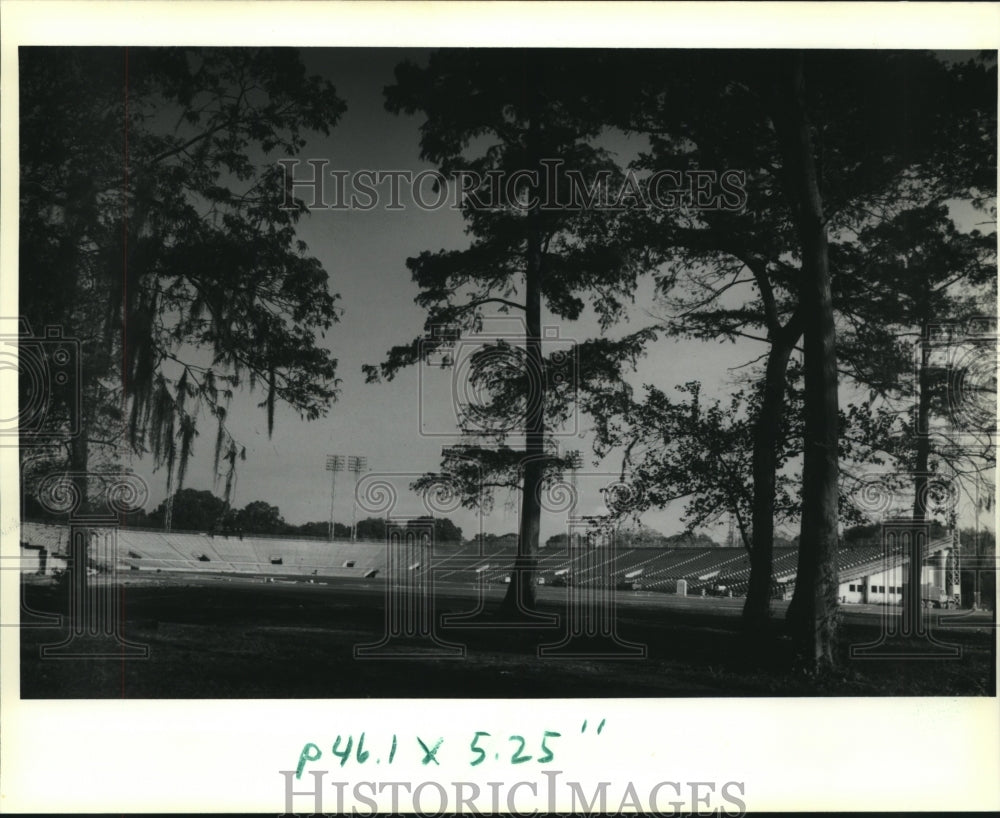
(766, 434)
(923, 436)
(520, 598)
(914, 574)
(812, 614)
(79, 457)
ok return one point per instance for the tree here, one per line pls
(524, 118)
(819, 138)
(641, 536)
(814, 606)
(979, 584)
(321, 528)
(557, 541)
(192, 510)
(150, 200)
(927, 154)
(688, 540)
(371, 528)
(494, 542)
(693, 450)
(708, 249)
(260, 517)
(937, 279)
(941, 279)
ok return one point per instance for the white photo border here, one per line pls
(926, 754)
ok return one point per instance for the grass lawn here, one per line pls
(243, 639)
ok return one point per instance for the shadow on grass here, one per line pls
(245, 640)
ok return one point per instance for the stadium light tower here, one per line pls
(334, 464)
(357, 465)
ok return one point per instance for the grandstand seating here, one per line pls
(144, 550)
(656, 569)
(53, 537)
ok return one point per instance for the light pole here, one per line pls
(357, 465)
(976, 593)
(334, 464)
(574, 461)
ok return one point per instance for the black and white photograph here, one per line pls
(427, 376)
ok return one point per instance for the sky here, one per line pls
(365, 255)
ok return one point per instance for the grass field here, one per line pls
(229, 638)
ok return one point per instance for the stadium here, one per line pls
(701, 358)
(193, 607)
(868, 574)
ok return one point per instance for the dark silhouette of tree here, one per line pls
(688, 540)
(941, 281)
(260, 517)
(444, 529)
(371, 528)
(820, 137)
(321, 528)
(979, 583)
(813, 611)
(515, 114)
(191, 510)
(153, 231)
(696, 450)
(934, 280)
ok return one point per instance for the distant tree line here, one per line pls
(646, 538)
(200, 510)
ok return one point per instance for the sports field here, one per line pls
(233, 637)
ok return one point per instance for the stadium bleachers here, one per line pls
(144, 550)
(656, 569)
(53, 537)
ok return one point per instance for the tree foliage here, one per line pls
(371, 528)
(189, 510)
(512, 116)
(823, 139)
(152, 229)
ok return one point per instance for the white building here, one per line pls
(881, 578)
